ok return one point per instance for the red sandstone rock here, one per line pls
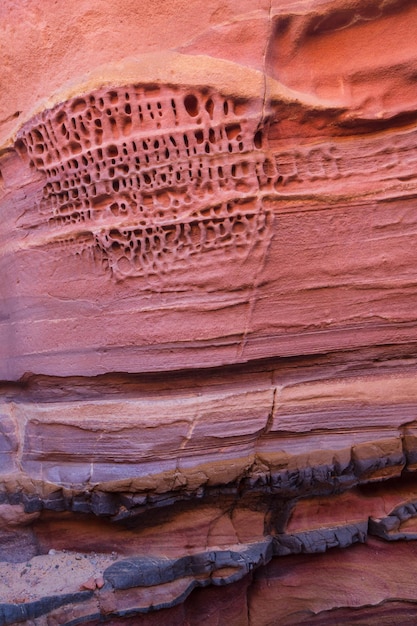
(221, 194)
(263, 179)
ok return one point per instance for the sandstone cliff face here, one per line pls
(208, 322)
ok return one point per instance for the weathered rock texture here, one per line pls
(208, 312)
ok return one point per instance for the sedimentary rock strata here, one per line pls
(208, 321)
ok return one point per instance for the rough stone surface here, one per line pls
(179, 196)
(208, 296)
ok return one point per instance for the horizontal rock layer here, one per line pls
(151, 572)
(316, 453)
(164, 433)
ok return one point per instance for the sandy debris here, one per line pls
(51, 574)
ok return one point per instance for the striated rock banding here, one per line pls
(208, 327)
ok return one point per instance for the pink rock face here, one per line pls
(208, 311)
(217, 209)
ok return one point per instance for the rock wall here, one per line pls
(208, 321)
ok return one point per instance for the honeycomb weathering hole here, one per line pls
(152, 181)
(191, 105)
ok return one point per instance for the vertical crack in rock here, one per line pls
(259, 135)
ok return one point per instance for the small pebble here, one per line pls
(89, 584)
(100, 582)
